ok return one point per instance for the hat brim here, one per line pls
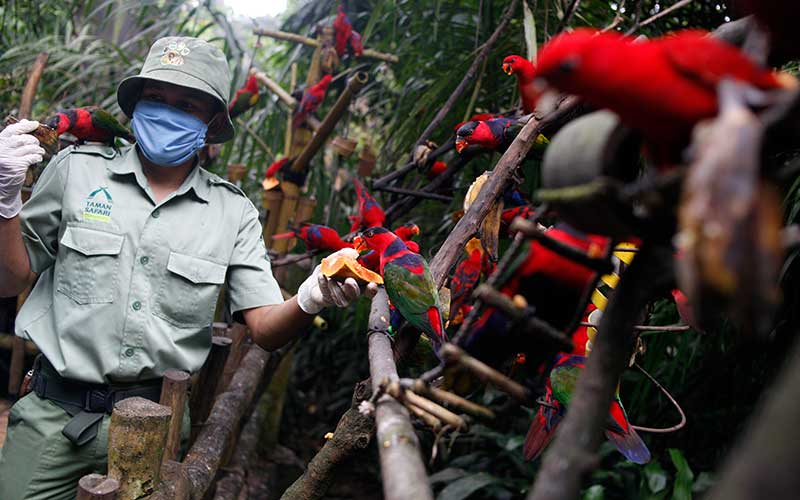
(130, 89)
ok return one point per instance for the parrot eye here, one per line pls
(567, 66)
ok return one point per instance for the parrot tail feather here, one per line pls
(630, 445)
(284, 236)
(538, 437)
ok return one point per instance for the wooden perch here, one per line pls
(173, 395)
(415, 193)
(29, 92)
(572, 455)
(502, 174)
(97, 487)
(354, 85)
(204, 390)
(353, 434)
(284, 96)
(410, 398)
(449, 399)
(402, 470)
(293, 37)
(455, 355)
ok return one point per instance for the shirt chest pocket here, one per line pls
(188, 294)
(87, 272)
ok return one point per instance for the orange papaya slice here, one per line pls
(343, 267)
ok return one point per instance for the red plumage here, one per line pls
(316, 237)
(244, 98)
(526, 75)
(343, 31)
(437, 169)
(662, 87)
(276, 166)
(356, 44)
(312, 98)
(370, 213)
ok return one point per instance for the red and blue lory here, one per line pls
(495, 134)
(89, 123)
(559, 387)
(312, 98)
(465, 278)
(526, 75)
(408, 281)
(316, 237)
(372, 259)
(245, 98)
(343, 32)
(370, 213)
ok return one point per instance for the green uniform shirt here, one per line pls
(127, 286)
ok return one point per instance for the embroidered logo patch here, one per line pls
(174, 53)
(98, 205)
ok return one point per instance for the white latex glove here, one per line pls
(318, 291)
(18, 151)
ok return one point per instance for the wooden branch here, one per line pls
(354, 85)
(764, 462)
(276, 89)
(659, 15)
(449, 399)
(137, 435)
(402, 470)
(572, 456)
(470, 75)
(29, 92)
(204, 390)
(7, 340)
(174, 483)
(292, 259)
(293, 37)
(408, 397)
(455, 355)
(352, 435)
(680, 425)
(571, 10)
(414, 193)
(502, 174)
(174, 391)
(97, 487)
(219, 431)
(649, 328)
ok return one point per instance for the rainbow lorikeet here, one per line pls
(559, 388)
(89, 123)
(316, 237)
(343, 31)
(661, 87)
(526, 75)
(372, 259)
(370, 213)
(312, 98)
(408, 280)
(245, 98)
(466, 277)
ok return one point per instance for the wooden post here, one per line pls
(173, 396)
(28, 93)
(136, 439)
(271, 201)
(402, 470)
(238, 335)
(204, 390)
(97, 487)
(174, 483)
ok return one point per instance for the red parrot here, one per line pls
(371, 259)
(662, 87)
(407, 231)
(480, 117)
(437, 169)
(89, 123)
(465, 278)
(343, 32)
(245, 98)
(559, 387)
(495, 134)
(356, 44)
(276, 167)
(316, 237)
(526, 74)
(312, 98)
(408, 282)
(509, 214)
(370, 213)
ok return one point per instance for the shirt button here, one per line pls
(137, 305)
(156, 214)
(144, 260)
(129, 352)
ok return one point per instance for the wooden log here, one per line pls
(293, 37)
(136, 439)
(29, 92)
(174, 390)
(238, 335)
(97, 487)
(16, 371)
(455, 355)
(174, 483)
(402, 469)
(219, 431)
(7, 341)
(204, 390)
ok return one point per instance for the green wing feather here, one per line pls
(563, 381)
(106, 121)
(412, 294)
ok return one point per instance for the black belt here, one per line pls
(86, 403)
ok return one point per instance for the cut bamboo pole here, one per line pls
(97, 487)
(402, 470)
(173, 395)
(293, 37)
(204, 390)
(136, 438)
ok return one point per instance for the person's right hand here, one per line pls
(18, 151)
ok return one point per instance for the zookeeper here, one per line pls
(131, 247)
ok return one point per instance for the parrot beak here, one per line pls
(507, 69)
(415, 230)
(359, 244)
(461, 144)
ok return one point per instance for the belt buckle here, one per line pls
(96, 401)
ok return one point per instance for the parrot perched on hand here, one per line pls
(661, 87)
(559, 388)
(343, 32)
(526, 75)
(370, 213)
(89, 123)
(312, 98)
(316, 237)
(245, 98)
(466, 277)
(408, 282)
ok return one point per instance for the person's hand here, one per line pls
(318, 291)
(18, 151)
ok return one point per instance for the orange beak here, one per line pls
(508, 69)
(359, 244)
(461, 144)
(415, 230)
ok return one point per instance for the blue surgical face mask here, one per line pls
(166, 135)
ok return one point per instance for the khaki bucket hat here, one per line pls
(188, 62)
